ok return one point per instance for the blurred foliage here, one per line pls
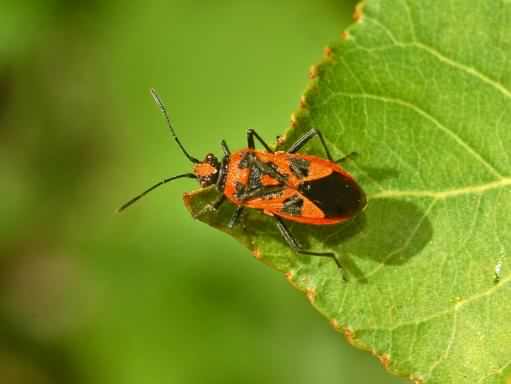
(87, 296)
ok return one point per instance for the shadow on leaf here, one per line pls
(389, 232)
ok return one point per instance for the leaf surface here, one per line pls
(422, 90)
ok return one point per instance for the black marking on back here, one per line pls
(245, 161)
(270, 169)
(299, 167)
(240, 190)
(272, 192)
(273, 166)
(248, 160)
(293, 205)
(255, 188)
(265, 193)
(254, 179)
(336, 195)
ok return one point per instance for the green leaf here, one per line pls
(422, 90)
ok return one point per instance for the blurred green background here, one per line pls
(149, 296)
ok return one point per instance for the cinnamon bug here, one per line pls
(285, 185)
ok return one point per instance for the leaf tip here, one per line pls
(187, 198)
(188, 201)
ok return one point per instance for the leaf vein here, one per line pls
(465, 68)
(471, 189)
(410, 19)
(427, 116)
(444, 356)
(387, 31)
(455, 308)
(498, 372)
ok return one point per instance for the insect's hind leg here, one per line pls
(295, 246)
(235, 217)
(250, 140)
(225, 148)
(304, 139)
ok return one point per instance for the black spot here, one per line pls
(336, 195)
(293, 205)
(299, 167)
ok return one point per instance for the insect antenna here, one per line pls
(138, 197)
(165, 113)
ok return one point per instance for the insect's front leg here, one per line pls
(250, 140)
(304, 139)
(225, 148)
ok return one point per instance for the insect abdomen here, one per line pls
(336, 195)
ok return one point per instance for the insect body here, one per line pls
(305, 189)
(285, 185)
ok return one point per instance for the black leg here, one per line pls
(295, 246)
(235, 216)
(305, 138)
(349, 156)
(225, 148)
(250, 140)
(218, 202)
(267, 169)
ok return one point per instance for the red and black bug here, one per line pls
(284, 185)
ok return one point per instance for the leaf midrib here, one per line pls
(462, 143)
(455, 64)
(442, 195)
